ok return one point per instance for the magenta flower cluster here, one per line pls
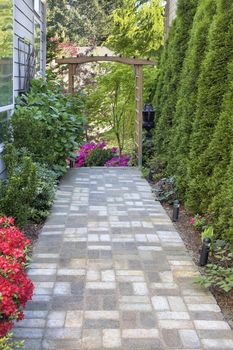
(119, 161)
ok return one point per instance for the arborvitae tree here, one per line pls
(222, 207)
(187, 94)
(217, 156)
(176, 48)
(212, 86)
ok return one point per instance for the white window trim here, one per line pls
(11, 106)
(7, 108)
(36, 20)
(37, 10)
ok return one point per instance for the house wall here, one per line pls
(170, 15)
(24, 18)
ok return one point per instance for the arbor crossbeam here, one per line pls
(119, 59)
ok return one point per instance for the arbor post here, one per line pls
(72, 72)
(138, 117)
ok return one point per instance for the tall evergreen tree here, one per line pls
(176, 48)
(80, 21)
(187, 94)
(222, 206)
(211, 88)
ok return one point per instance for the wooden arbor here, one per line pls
(138, 64)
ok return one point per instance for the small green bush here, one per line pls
(98, 157)
(48, 124)
(45, 193)
(18, 191)
(7, 343)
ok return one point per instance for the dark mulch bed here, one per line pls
(32, 231)
(192, 241)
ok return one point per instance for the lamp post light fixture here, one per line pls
(148, 118)
(176, 210)
(205, 251)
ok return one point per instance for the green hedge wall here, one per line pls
(194, 106)
(170, 73)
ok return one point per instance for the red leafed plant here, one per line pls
(15, 288)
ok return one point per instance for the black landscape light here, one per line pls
(176, 210)
(71, 163)
(148, 117)
(205, 251)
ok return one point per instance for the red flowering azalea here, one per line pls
(15, 288)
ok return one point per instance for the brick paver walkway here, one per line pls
(111, 272)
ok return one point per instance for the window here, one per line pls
(37, 45)
(37, 6)
(6, 54)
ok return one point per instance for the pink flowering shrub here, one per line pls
(87, 149)
(84, 151)
(15, 287)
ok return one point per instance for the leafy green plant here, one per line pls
(18, 191)
(219, 276)
(98, 157)
(167, 190)
(45, 192)
(7, 343)
(219, 273)
(48, 124)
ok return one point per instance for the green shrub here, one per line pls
(48, 124)
(45, 193)
(18, 191)
(98, 157)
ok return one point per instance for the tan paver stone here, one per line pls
(218, 325)
(92, 339)
(140, 333)
(111, 338)
(74, 319)
(106, 315)
(217, 344)
(176, 324)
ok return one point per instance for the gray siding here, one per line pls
(24, 19)
(170, 15)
